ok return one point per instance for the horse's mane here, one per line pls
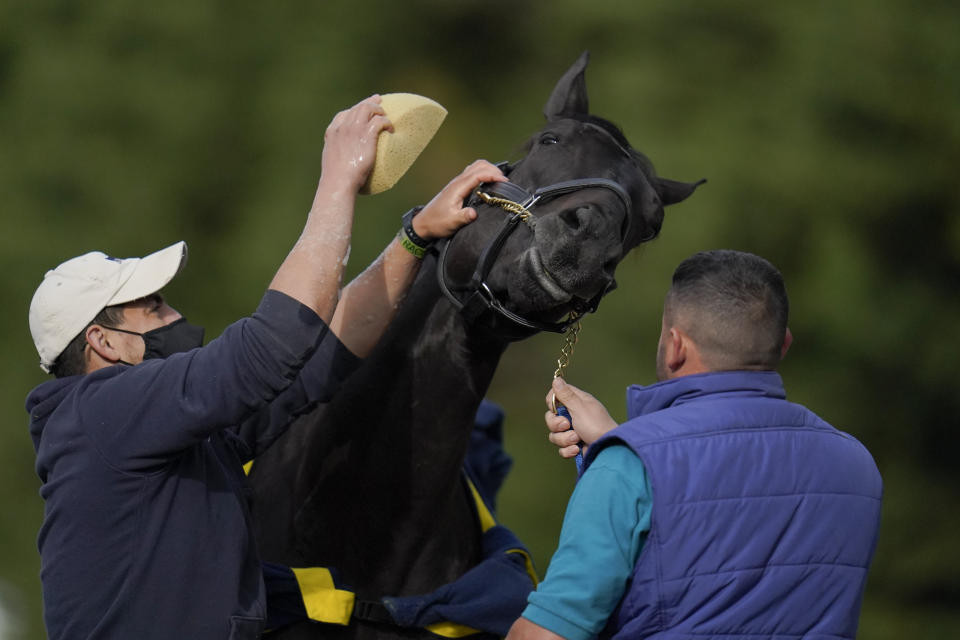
(617, 133)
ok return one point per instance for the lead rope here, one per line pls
(570, 338)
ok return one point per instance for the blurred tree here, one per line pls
(829, 133)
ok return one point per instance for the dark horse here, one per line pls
(371, 482)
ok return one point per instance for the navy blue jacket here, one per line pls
(765, 517)
(146, 531)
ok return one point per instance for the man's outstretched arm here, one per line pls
(370, 301)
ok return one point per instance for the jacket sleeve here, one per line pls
(318, 381)
(142, 416)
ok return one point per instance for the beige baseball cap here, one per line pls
(72, 295)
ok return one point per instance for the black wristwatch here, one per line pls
(407, 222)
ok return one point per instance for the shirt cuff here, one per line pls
(558, 625)
(346, 360)
(291, 323)
(331, 364)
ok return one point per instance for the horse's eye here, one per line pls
(549, 138)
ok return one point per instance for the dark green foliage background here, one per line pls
(829, 131)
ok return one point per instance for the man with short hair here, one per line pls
(141, 437)
(718, 509)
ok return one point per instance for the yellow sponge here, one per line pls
(415, 120)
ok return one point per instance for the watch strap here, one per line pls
(407, 222)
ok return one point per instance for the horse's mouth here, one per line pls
(531, 262)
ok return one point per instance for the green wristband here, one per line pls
(416, 250)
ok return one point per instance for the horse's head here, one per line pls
(548, 242)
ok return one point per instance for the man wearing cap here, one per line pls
(141, 437)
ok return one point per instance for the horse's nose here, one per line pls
(580, 247)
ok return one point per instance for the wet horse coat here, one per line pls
(371, 482)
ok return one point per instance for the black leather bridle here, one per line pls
(514, 198)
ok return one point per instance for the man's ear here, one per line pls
(675, 353)
(787, 341)
(99, 343)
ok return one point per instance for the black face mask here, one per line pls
(176, 337)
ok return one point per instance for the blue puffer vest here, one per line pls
(765, 517)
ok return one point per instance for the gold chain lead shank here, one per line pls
(570, 338)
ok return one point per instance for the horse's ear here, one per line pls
(672, 191)
(569, 97)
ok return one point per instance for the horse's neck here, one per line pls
(436, 371)
(386, 454)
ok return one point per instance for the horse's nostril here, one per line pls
(575, 219)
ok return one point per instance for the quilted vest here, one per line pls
(765, 517)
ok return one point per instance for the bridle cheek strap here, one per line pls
(481, 298)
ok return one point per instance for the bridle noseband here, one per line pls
(518, 201)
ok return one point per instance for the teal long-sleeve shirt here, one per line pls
(605, 526)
